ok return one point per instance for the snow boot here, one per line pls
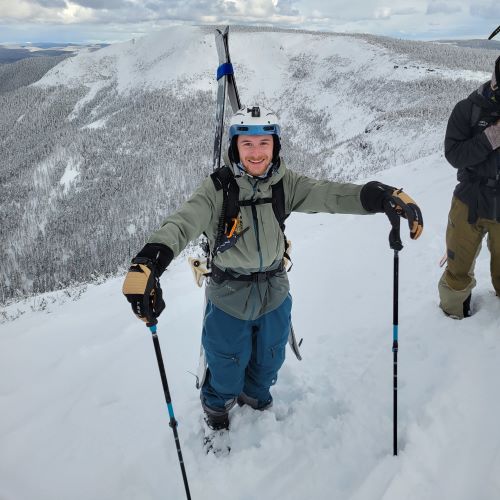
(244, 399)
(467, 307)
(216, 421)
(216, 433)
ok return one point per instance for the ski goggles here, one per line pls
(254, 130)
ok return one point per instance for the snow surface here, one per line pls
(83, 413)
(71, 172)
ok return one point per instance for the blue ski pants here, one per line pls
(243, 355)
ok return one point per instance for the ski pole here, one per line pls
(173, 421)
(395, 325)
(494, 33)
(395, 244)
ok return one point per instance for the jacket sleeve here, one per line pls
(311, 196)
(195, 216)
(461, 148)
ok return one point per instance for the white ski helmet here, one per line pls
(253, 120)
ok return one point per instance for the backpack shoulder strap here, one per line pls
(281, 215)
(475, 115)
(223, 178)
(279, 203)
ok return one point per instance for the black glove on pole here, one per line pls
(396, 244)
(142, 282)
(168, 399)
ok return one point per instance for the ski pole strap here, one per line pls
(224, 69)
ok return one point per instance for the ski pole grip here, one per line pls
(395, 239)
(394, 236)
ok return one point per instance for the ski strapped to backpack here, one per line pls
(226, 85)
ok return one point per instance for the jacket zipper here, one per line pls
(256, 227)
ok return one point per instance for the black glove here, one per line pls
(142, 284)
(378, 197)
(493, 134)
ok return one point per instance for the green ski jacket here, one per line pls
(261, 247)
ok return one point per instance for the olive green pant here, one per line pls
(463, 243)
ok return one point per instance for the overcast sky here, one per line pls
(114, 20)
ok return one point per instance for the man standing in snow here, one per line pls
(247, 319)
(472, 146)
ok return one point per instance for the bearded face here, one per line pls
(256, 153)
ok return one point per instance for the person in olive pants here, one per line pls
(472, 146)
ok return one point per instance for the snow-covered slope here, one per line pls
(83, 414)
(126, 132)
(271, 63)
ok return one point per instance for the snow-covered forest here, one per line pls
(107, 143)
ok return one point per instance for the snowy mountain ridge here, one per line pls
(125, 133)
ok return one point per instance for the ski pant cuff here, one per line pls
(244, 399)
(216, 412)
(452, 301)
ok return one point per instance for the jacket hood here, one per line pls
(477, 97)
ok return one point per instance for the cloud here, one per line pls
(51, 4)
(405, 11)
(382, 13)
(286, 8)
(486, 10)
(242, 11)
(103, 4)
(412, 19)
(254, 9)
(42, 11)
(437, 7)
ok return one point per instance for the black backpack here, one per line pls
(227, 237)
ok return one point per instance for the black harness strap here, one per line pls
(218, 275)
(224, 180)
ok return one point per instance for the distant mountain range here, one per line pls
(475, 44)
(11, 53)
(99, 148)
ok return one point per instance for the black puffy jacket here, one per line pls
(467, 148)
